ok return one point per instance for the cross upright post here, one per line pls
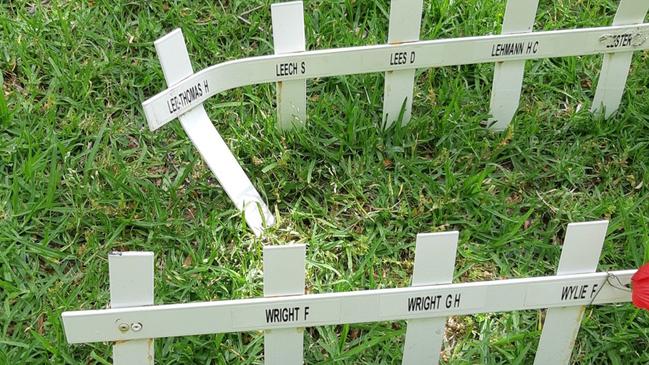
(131, 285)
(434, 264)
(288, 37)
(508, 75)
(579, 255)
(284, 276)
(405, 24)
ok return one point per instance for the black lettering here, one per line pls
(289, 69)
(510, 49)
(577, 292)
(628, 39)
(411, 304)
(566, 292)
(398, 58)
(412, 57)
(594, 290)
(278, 315)
(207, 87)
(426, 303)
(303, 72)
(518, 48)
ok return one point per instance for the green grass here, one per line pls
(81, 175)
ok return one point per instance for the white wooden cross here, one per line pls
(615, 67)
(176, 67)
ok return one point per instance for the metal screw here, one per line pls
(123, 327)
(136, 326)
(638, 40)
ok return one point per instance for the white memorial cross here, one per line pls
(579, 255)
(405, 24)
(508, 75)
(177, 67)
(575, 286)
(615, 67)
(288, 37)
(434, 264)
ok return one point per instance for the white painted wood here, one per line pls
(347, 307)
(579, 255)
(284, 276)
(508, 76)
(166, 106)
(131, 285)
(288, 37)
(176, 66)
(434, 264)
(615, 66)
(405, 24)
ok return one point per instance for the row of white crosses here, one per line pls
(133, 321)
(292, 65)
(405, 22)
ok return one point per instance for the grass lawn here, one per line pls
(81, 175)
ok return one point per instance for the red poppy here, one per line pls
(640, 287)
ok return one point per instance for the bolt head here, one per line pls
(136, 326)
(123, 327)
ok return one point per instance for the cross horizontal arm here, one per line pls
(195, 89)
(348, 307)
